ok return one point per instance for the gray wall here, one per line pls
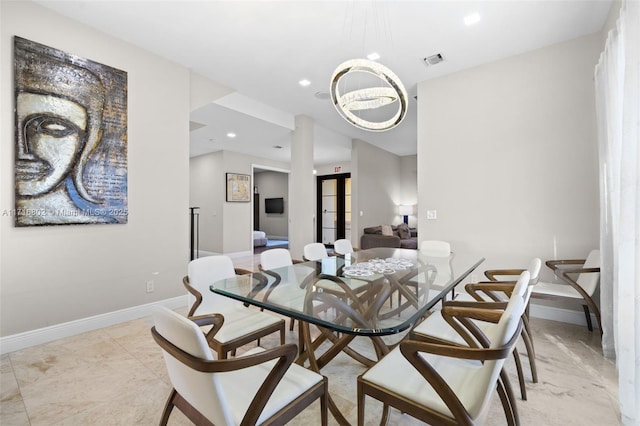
(508, 156)
(50, 275)
(273, 185)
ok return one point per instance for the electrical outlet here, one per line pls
(150, 286)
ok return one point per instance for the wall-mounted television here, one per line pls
(274, 205)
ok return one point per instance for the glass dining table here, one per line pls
(378, 293)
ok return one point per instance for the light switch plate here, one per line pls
(432, 214)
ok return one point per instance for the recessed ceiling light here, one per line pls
(304, 83)
(471, 19)
(373, 56)
(231, 135)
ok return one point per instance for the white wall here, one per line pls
(273, 185)
(225, 227)
(301, 187)
(56, 274)
(508, 156)
(409, 185)
(207, 191)
(376, 184)
(330, 169)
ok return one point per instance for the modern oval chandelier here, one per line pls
(369, 98)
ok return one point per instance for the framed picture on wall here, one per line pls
(238, 187)
(71, 138)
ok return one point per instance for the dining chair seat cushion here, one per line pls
(553, 289)
(467, 379)
(240, 321)
(240, 386)
(466, 297)
(435, 325)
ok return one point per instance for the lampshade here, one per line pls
(405, 210)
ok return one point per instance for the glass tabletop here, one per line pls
(374, 292)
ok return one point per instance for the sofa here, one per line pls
(402, 237)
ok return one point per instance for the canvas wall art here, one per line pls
(71, 138)
(238, 187)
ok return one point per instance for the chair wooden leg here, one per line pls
(523, 389)
(588, 315)
(324, 403)
(531, 353)
(591, 305)
(360, 402)
(506, 405)
(527, 328)
(168, 407)
(511, 397)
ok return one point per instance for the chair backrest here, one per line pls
(342, 246)
(534, 270)
(435, 248)
(202, 273)
(589, 280)
(198, 388)
(438, 255)
(534, 275)
(515, 308)
(275, 258)
(498, 336)
(315, 251)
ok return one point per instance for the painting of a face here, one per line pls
(53, 131)
(71, 138)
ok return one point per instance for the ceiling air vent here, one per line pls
(433, 59)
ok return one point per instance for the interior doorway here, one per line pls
(333, 208)
(270, 212)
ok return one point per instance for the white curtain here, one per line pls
(617, 81)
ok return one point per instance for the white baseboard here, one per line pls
(561, 315)
(202, 253)
(237, 254)
(240, 254)
(27, 339)
(31, 338)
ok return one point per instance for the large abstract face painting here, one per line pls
(71, 138)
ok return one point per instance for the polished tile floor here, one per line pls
(116, 376)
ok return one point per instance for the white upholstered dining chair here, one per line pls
(436, 329)
(315, 251)
(260, 387)
(274, 259)
(242, 324)
(580, 279)
(448, 384)
(343, 246)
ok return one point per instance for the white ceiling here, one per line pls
(261, 49)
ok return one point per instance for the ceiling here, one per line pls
(262, 49)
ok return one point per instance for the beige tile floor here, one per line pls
(116, 376)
